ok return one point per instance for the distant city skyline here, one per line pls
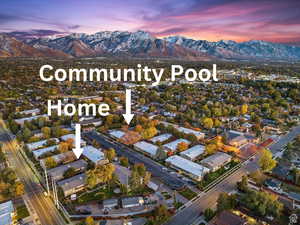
(213, 20)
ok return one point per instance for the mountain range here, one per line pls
(142, 44)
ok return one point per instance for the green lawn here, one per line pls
(212, 176)
(187, 193)
(22, 212)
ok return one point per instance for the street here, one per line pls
(189, 215)
(284, 140)
(42, 205)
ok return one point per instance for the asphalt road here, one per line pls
(209, 199)
(284, 140)
(189, 215)
(42, 205)
(134, 157)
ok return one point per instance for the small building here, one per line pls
(146, 148)
(110, 203)
(62, 158)
(161, 138)
(40, 152)
(216, 161)
(198, 134)
(172, 146)
(31, 112)
(96, 156)
(58, 172)
(116, 134)
(35, 145)
(193, 153)
(7, 213)
(29, 119)
(72, 136)
(132, 202)
(227, 218)
(194, 170)
(73, 185)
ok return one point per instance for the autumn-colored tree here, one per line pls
(139, 128)
(89, 221)
(210, 149)
(266, 161)
(244, 109)
(182, 146)
(110, 154)
(208, 123)
(46, 132)
(50, 162)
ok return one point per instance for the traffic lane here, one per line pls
(35, 192)
(208, 199)
(135, 157)
(276, 147)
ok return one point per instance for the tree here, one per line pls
(149, 132)
(89, 221)
(19, 189)
(110, 154)
(50, 162)
(225, 202)
(243, 184)
(244, 109)
(182, 146)
(26, 134)
(161, 154)
(210, 149)
(266, 162)
(209, 214)
(91, 179)
(139, 128)
(208, 123)
(63, 147)
(70, 172)
(161, 213)
(124, 161)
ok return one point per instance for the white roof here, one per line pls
(161, 138)
(37, 110)
(190, 131)
(22, 120)
(173, 145)
(116, 133)
(187, 166)
(6, 209)
(71, 136)
(40, 152)
(38, 144)
(146, 147)
(217, 159)
(93, 154)
(194, 151)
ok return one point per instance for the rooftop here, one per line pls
(173, 145)
(6, 209)
(193, 152)
(161, 138)
(58, 172)
(187, 165)
(216, 160)
(146, 147)
(73, 182)
(38, 153)
(93, 154)
(116, 133)
(38, 144)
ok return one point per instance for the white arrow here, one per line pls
(128, 116)
(77, 150)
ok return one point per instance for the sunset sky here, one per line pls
(270, 20)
